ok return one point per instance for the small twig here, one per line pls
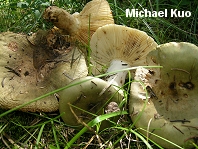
(2, 82)
(79, 120)
(183, 121)
(191, 126)
(88, 143)
(99, 141)
(89, 128)
(4, 141)
(68, 76)
(178, 129)
(178, 69)
(11, 141)
(94, 83)
(193, 137)
(13, 71)
(147, 134)
(57, 60)
(35, 121)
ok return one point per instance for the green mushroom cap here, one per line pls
(85, 99)
(169, 94)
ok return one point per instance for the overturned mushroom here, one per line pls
(171, 109)
(84, 100)
(81, 25)
(118, 47)
(24, 76)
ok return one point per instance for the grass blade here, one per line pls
(55, 136)
(39, 136)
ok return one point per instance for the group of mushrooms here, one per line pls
(162, 103)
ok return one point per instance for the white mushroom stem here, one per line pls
(118, 78)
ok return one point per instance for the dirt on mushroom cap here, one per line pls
(171, 111)
(22, 81)
(121, 43)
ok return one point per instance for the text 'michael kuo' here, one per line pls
(164, 13)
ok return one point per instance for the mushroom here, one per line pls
(118, 47)
(166, 105)
(19, 73)
(81, 26)
(83, 100)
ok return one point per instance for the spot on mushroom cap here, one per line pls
(121, 43)
(172, 94)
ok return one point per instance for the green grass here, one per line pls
(47, 130)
